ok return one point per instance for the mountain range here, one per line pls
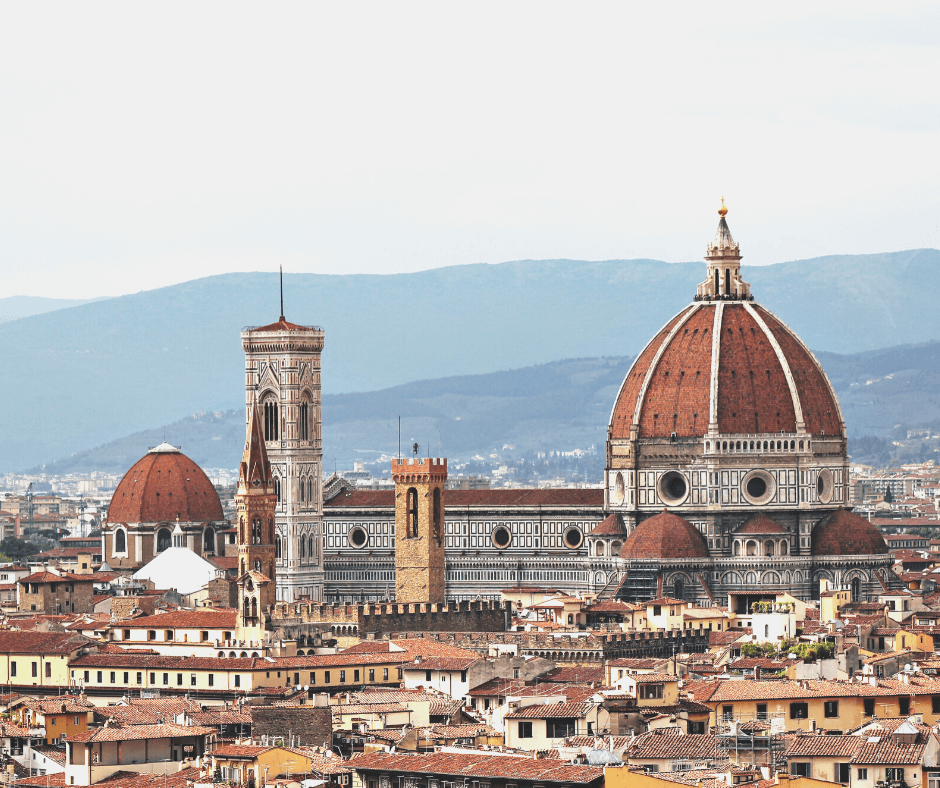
(87, 375)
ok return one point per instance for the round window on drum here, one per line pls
(673, 488)
(758, 487)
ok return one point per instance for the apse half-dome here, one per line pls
(664, 536)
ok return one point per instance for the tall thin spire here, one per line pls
(281, 267)
(255, 469)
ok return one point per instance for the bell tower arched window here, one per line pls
(271, 420)
(412, 512)
(303, 420)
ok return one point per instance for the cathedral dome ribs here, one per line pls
(164, 486)
(728, 419)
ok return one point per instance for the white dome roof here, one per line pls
(178, 568)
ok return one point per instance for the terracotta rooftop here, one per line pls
(480, 765)
(761, 524)
(610, 526)
(664, 536)
(845, 533)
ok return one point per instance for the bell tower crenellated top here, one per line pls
(723, 260)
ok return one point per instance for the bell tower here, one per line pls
(419, 530)
(282, 375)
(255, 504)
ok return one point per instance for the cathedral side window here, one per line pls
(164, 540)
(120, 541)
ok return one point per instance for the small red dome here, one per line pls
(665, 535)
(162, 486)
(612, 525)
(845, 533)
(764, 378)
(762, 524)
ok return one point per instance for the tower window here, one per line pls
(437, 514)
(270, 420)
(304, 421)
(412, 502)
(120, 541)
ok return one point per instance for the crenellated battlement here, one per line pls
(475, 615)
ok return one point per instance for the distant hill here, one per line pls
(558, 406)
(17, 307)
(87, 375)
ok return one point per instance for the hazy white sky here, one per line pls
(143, 144)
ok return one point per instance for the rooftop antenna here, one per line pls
(281, 268)
(399, 439)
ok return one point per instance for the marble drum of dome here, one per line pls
(726, 414)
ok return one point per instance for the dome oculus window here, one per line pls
(573, 538)
(758, 487)
(358, 537)
(824, 485)
(673, 487)
(501, 537)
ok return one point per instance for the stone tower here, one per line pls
(255, 505)
(282, 375)
(419, 530)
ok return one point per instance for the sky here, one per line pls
(145, 144)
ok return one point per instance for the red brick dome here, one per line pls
(845, 533)
(162, 486)
(665, 535)
(761, 524)
(764, 379)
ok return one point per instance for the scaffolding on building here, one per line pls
(754, 739)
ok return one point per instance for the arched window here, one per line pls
(737, 547)
(716, 281)
(678, 588)
(277, 547)
(164, 540)
(303, 490)
(303, 548)
(784, 547)
(727, 280)
(256, 531)
(254, 607)
(768, 547)
(310, 550)
(310, 490)
(120, 541)
(271, 421)
(208, 541)
(856, 590)
(412, 501)
(437, 514)
(277, 488)
(303, 420)
(247, 609)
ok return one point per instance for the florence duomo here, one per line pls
(726, 478)
(434, 395)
